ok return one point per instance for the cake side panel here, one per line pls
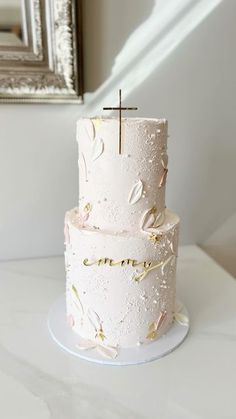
(119, 188)
(111, 299)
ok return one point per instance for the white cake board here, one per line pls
(67, 339)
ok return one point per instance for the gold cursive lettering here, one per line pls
(112, 262)
(148, 266)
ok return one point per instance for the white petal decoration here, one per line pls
(172, 247)
(182, 319)
(83, 165)
(178, 307)
(151, 221)
(98, 148)
(148, 219)
(107, 351)
(159, 220)
(86, 344)
(136, 192)
(85, 130)
(170, 260)
(97, 122)
(94, 319)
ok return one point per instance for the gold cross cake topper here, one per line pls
(120, 108)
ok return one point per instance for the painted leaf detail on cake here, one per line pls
(156, 325)
(86, 344)
(164, 174)
(170, 260)
(66, 233)
(83, 215)
(83, 165)
(163, 178)
(77, 302)
(94, 318)
(105, 350)
(136, 192)
(85, 130)
(97, 324)
(178, 306)
(97, 122)
(181, 319)
(164, 160)
(70, 320)
(98, 148)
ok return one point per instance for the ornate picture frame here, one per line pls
(47, 67)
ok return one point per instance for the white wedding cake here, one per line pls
(121, 241)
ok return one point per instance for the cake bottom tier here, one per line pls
(120, 289)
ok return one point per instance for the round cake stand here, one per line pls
(67, 339)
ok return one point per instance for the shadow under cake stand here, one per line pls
(64, 336)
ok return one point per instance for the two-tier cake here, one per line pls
(121, 241)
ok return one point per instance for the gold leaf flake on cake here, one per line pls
(97, 148)
(88, 208)
(135, 193)
(100, 335)
(155, 238)
(155, 326)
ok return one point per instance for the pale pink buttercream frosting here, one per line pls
(122, 248)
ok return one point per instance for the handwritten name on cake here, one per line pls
(112, 262)
(148, 266)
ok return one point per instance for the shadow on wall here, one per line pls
(165, 28)
(108, 24)
(178, 63)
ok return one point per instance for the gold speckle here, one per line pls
(152, 331)
(155, 238)
(100, 335)
(88, 207)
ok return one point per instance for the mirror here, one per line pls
(11, 23)
(40, 51)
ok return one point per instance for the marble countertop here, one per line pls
(38, 380)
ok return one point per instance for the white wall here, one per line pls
(193, 86)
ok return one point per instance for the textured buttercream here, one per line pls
(121, 241)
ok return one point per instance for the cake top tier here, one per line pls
(121, 191)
